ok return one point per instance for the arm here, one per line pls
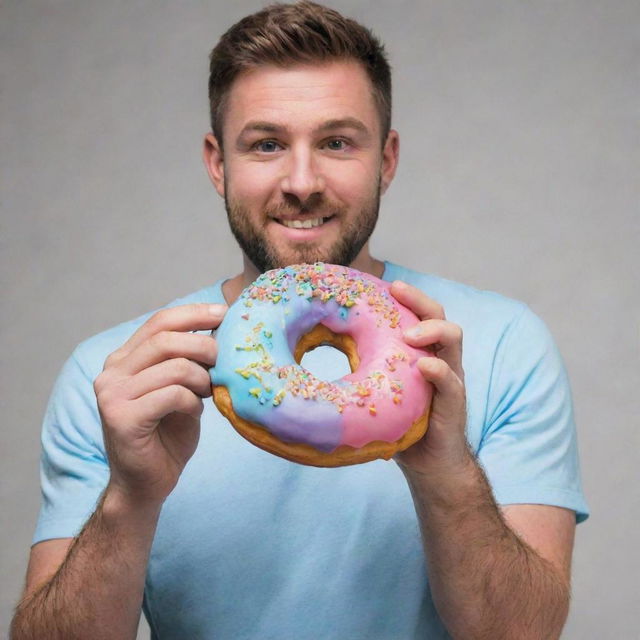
(493, 574)
(96, 589)
(150, 400)
(487, 581)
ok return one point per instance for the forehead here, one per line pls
(301, 96)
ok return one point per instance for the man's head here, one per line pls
(286, 35)
(300, 104)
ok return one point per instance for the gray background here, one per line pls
(519, 170)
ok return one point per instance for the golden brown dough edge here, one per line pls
(306, 454)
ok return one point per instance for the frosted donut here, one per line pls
(258, 384)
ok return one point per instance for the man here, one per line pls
(224, 540)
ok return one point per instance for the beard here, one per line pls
(253, 241)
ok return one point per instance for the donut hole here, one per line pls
(338, 349)
(316, 361)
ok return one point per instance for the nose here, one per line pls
(302, 177)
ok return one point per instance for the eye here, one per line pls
(266, 146)
(337, 144)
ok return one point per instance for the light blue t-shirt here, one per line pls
(252, 546)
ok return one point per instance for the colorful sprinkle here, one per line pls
(324, 282)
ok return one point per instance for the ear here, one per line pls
(214, 162)
(390, 158)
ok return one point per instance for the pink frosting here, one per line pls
(397, 398)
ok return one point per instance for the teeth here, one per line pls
(302, 224)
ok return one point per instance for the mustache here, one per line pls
(314, 203)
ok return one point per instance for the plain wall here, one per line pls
(519, 173)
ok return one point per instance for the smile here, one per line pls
(304, 224)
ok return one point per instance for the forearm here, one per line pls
(97, 592)
(486, 582)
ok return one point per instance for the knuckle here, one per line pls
(161, 341)
(112, 359)
(158, 321)
(158, 317)
(103, 382)
(178, 395)
(99, 383)
(110, 390)
(183, 367)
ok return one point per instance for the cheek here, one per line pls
(255, 182)
(354, 182)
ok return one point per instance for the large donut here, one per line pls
(258, 384)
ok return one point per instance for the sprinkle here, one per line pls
(323, 282)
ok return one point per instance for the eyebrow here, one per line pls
(330, 125)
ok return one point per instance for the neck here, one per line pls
(233, 287)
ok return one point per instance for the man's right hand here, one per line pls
(150, 397)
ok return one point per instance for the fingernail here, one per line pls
(217, 309)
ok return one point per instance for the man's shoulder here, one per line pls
(91, 353)
(462, 302)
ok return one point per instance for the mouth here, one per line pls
(308, 223)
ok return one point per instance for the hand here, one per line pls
(444, 445)
(150, 399)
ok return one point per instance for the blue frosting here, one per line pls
(255, 341)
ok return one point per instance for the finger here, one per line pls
(173, 399)
(418, 301)
(449, 387)
(189, 317)
(441, 337)
(426, 332)
(180, 371)
(168, 345)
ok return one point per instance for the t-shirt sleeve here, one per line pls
(529, 447)
(73, 467)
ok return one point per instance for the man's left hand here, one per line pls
(444, 446)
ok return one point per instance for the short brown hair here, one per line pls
(300, 33)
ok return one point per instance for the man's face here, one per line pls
(303, 167)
